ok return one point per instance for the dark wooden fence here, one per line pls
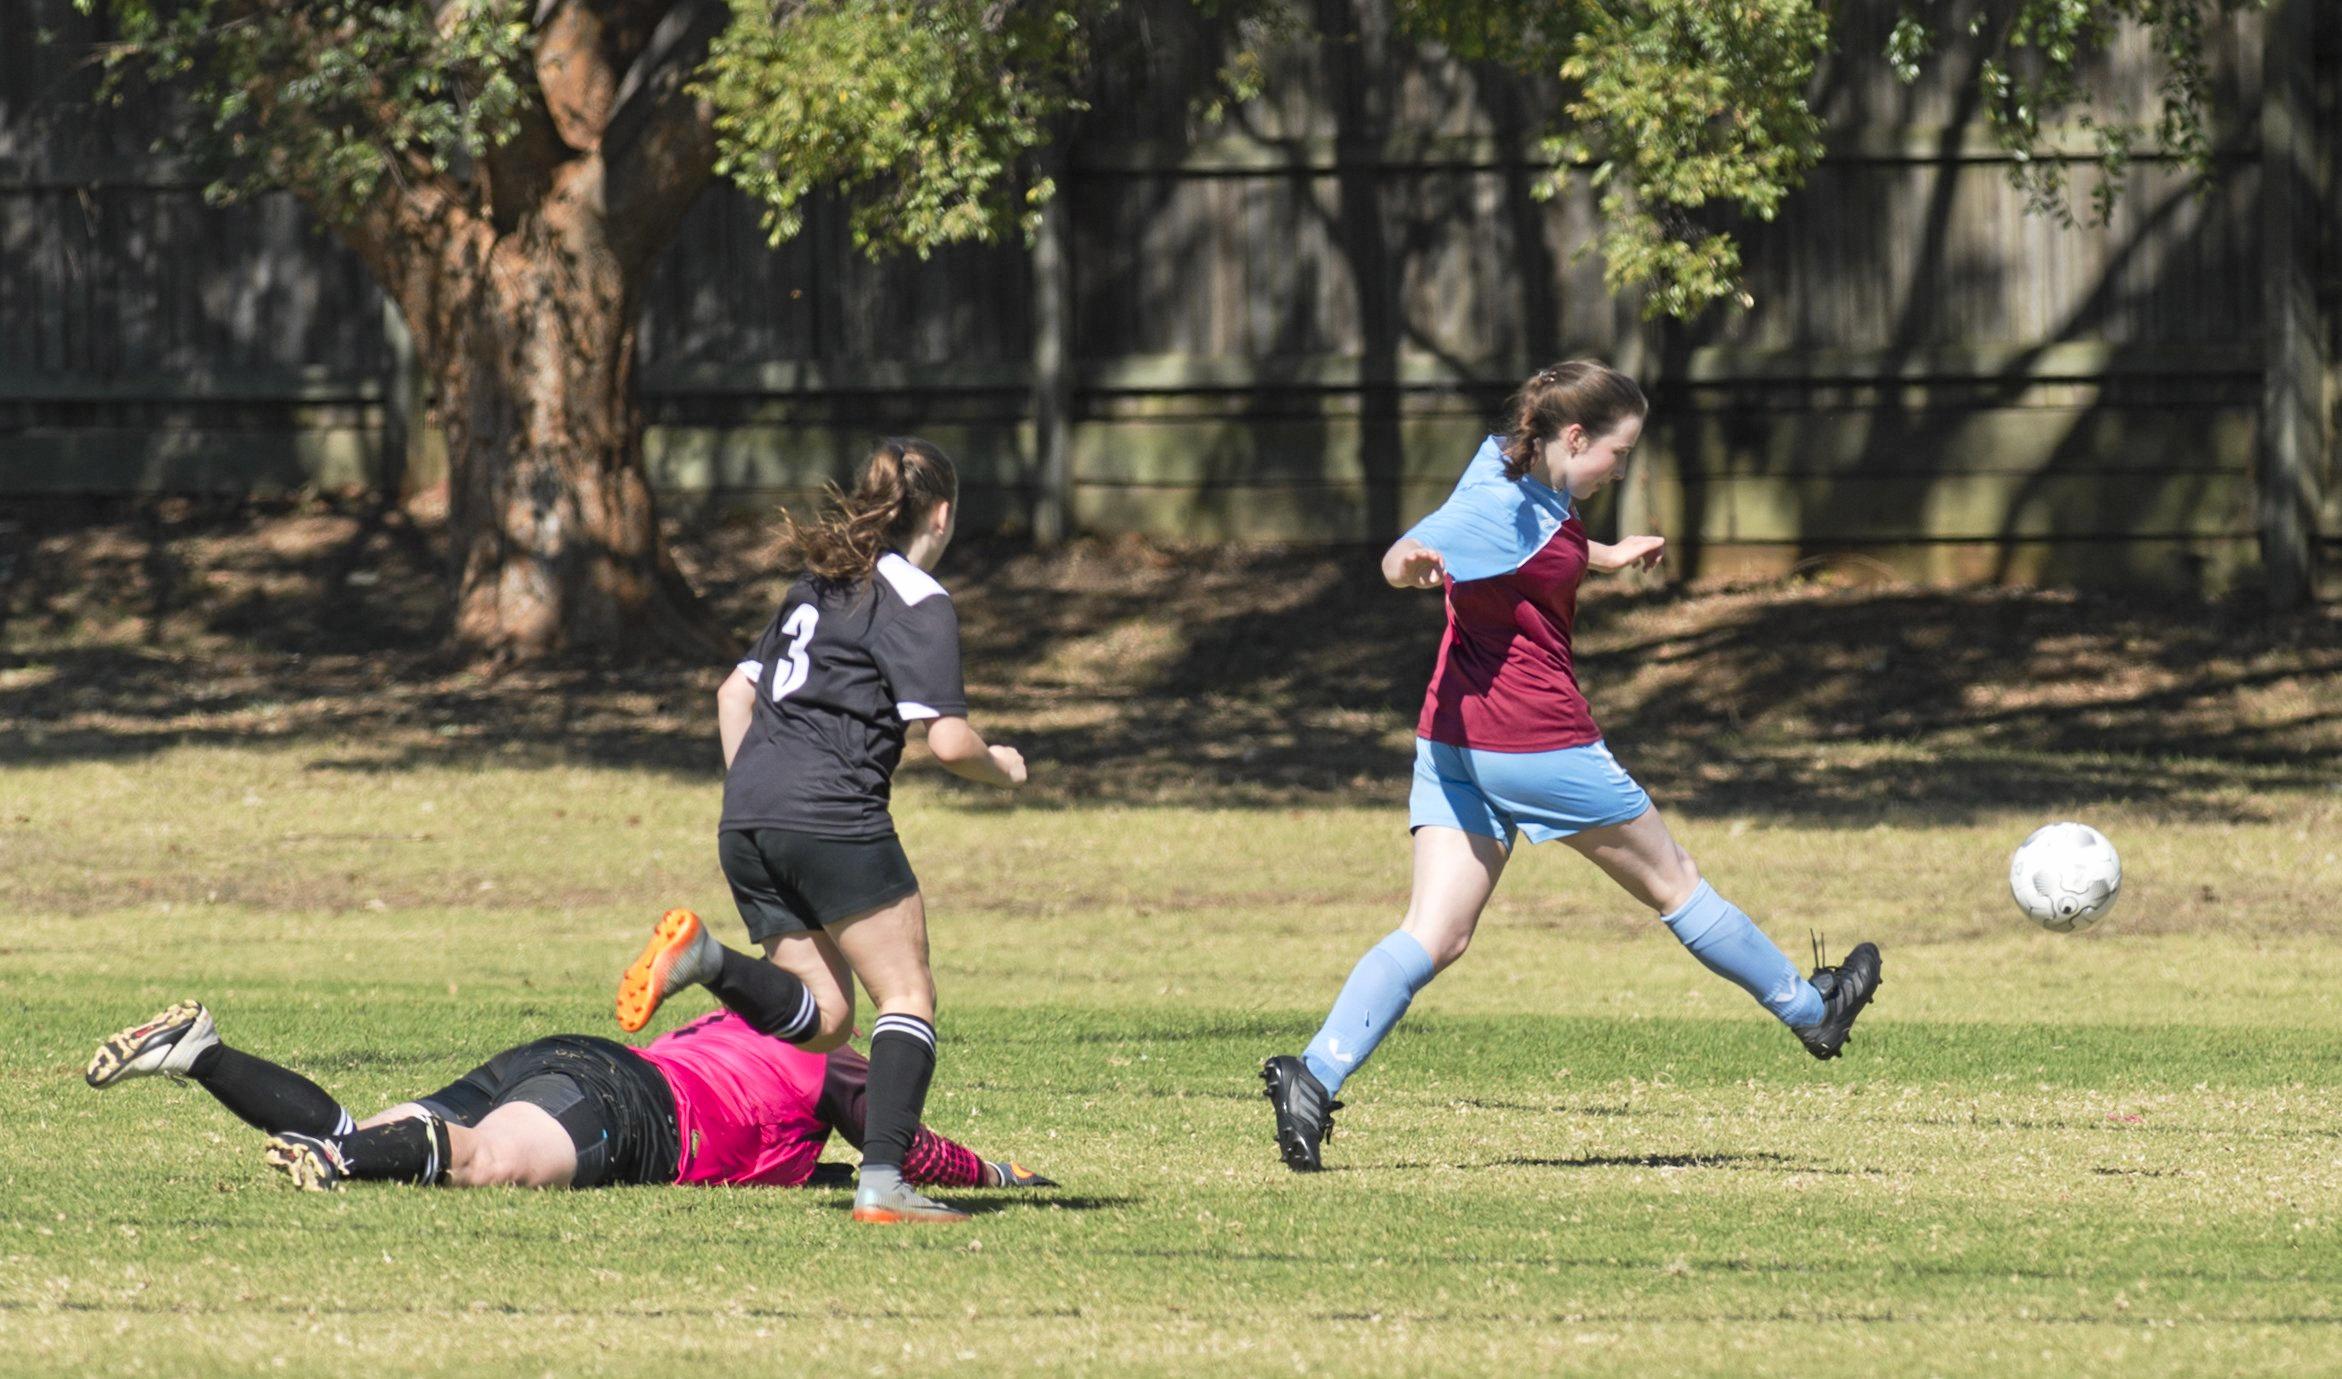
(1296, 325)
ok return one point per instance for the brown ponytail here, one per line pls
(903, 481)
(1584, 391)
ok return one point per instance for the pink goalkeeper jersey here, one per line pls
(744, 1103)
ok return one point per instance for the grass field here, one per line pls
(2115, 1152)
(227, 773)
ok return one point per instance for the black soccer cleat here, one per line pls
(1305, 1111)
(1013, 1174)
(1846, 989)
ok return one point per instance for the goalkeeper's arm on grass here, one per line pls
(933, 1161)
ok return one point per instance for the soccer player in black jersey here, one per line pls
(865, 645)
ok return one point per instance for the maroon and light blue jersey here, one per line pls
(1515, 551)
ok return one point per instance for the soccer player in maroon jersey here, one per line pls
(712, 1102)
(1506, 745)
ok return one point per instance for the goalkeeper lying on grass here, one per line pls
(711, 1102)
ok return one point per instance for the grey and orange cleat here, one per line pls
(167, 1044)
(313, 1163)
(681, 952)
(1846, 989)
(884, 1199)
(1305, 1111)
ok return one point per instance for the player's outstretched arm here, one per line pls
(965, 754)
(935, 1161)
(1409, 564)
(1642, 552)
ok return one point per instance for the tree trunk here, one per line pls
(556, 544)
(518, 276)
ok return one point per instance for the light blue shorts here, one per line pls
(1546, 795)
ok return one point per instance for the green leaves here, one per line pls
(327, 98)
(1683, 104)
(2036, 77)
(1678, 108)
(1672, 107)
(1682, 114)
(919, 111)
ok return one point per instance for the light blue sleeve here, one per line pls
(1490, 525)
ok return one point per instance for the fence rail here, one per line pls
(1292, 333)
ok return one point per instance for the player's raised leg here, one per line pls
(679, 953)
(769, 994)
(1455, 873)
(810, 962)
(1641, 856)
(183, 1041)
(786, 885)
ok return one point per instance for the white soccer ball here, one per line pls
(2065, 877)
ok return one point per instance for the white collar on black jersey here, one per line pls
(910, 583)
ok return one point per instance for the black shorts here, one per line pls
(791, 883)
(614, 1103)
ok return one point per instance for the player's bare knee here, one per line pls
(496, 1164)
(827, 1039)
(833, 1029)
(912, 997)
(473, 1160)
(1443, 944)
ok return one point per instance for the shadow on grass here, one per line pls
(1219, 677)
(1758, 1161)
(988, 1201)
(1020, 1199)
(1764, 1161)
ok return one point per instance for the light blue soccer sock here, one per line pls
(1731, 946)
(1377, 994)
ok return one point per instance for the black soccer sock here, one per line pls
(412, 1150)
(772, 1000)
(268, 1097)
(902, 1062)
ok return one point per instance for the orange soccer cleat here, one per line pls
(681, 953)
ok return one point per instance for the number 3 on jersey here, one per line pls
(799, 629)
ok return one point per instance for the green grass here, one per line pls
(2117, 1153)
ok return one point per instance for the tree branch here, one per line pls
(585, 48)
(659, 149)
(401, 233)
(576, 72)
(519, 170)
(628, 27)
(402, 226)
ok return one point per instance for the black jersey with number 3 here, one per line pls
(838, 673)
